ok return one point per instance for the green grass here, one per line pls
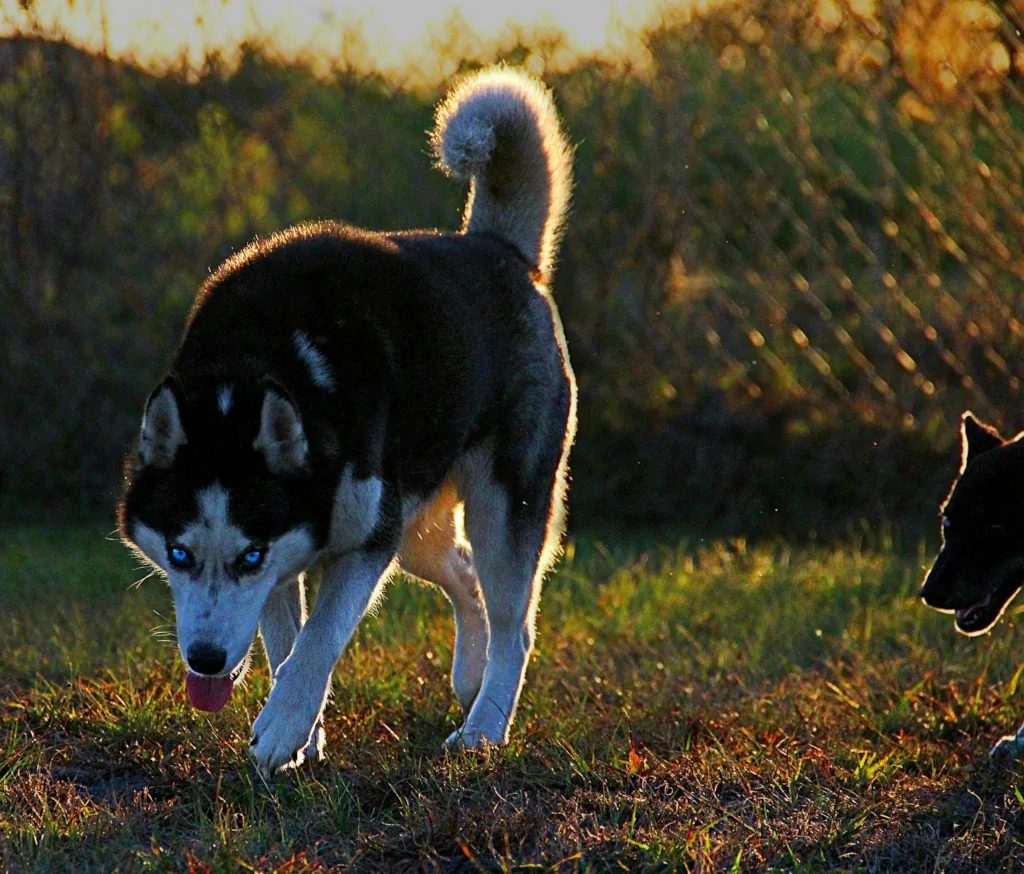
(696, 707)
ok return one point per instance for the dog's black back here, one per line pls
(436, 338)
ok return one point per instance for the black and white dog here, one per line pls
(370, 401)
(980, 567)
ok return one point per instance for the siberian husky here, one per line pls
(371, 401)
(980, 567)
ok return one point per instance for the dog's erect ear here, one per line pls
(162, 432)
(976, 438)
(281, 439)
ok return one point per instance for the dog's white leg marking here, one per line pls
(510, 584)
(434, 550)
(458, 580)
(284, 614)
(285, 725)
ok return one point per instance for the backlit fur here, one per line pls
(498, 130)
(980, 567)
(364, 402)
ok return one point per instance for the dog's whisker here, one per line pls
(138, 583)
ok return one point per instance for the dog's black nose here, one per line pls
(205, 658)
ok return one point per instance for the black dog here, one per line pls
(980, 567)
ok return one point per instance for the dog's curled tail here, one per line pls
(499, 129)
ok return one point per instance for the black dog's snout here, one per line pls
(936, 589)
(204, 658)
(934, 596)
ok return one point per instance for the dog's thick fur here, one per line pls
(370, 401)
(980, 568)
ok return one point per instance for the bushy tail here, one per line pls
(498, 128)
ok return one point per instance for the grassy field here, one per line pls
(692, 706)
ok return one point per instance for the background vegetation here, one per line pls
(793, 257)
(792, 261)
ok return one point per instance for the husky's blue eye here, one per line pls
(251, 558)
(180, 557)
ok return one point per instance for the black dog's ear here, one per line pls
(976, 438)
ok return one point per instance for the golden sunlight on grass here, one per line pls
(694, 707)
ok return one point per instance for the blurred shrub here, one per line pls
(792, 260)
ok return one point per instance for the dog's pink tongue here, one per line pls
(208, 693)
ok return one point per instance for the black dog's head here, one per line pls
(981, 564)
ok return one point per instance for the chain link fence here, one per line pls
(822, 261)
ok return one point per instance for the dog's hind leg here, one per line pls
(284, 614)
(515, 534)
(434, 549)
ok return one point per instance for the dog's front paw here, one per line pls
(315, 749)
(475, 737)
(461, 739)
(282, 738)
(1007, 749)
